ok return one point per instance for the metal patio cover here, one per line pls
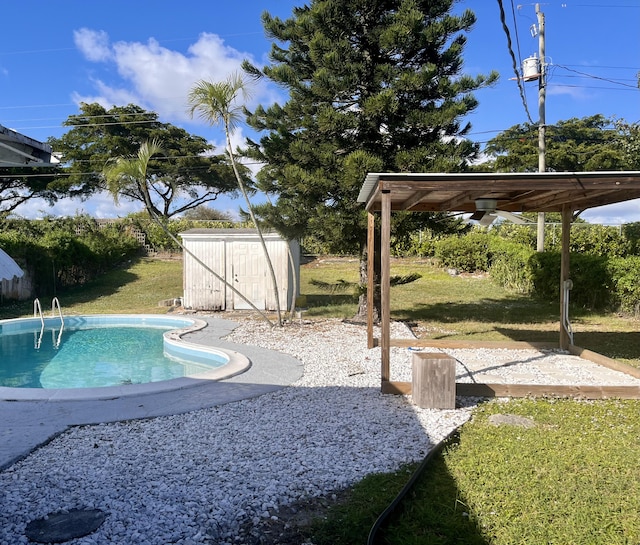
(564, 192)
(515, 192)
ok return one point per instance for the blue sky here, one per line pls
(52, 56)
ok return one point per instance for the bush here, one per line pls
(587, 238)
(631, 232)
(467, 253)
(625, 273)
(590, 275)
(421, 243)
(66, 252)
(158, 238)
(509, 265)
(520, 234)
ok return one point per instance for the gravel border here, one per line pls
(202, 476)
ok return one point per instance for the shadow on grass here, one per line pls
(613, 344)
(105, 285)
(508, 311)
(330, 300)
(432, 513)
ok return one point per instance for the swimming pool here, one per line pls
(106, 355)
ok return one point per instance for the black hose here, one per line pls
(371, 540)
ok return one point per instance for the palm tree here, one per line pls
(220, 102)
(127, 174)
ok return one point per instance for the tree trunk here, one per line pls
(364, 283)
(255, 223)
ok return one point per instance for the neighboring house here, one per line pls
(13, 282)
(18, 150)
(237, 256)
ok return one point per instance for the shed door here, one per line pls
(248, 274)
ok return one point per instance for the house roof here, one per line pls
(18, 150)
(514, 192)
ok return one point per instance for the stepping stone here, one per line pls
(64, 525)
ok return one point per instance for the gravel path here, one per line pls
(200, 476)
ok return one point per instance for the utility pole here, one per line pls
(542, 91)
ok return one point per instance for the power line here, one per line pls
(608, 67)
(635, 87)
(514, 61)
(515, 27)
(605, 6)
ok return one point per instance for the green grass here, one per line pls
(468, 307)
(570, 479)
(135, 289)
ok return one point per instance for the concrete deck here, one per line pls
(25, 425)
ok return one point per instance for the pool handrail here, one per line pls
(55, 303)
(37, 312)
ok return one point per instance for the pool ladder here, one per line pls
(37, 313)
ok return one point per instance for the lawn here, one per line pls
(468, 306)
(570, 478)
(136, 288)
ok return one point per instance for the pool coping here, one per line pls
(237, 363)
(27, 424)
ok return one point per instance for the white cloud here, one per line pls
(614, 214)
(99, 205)
(108, 97)
(567, 90)
(158, 78)
(94, 44)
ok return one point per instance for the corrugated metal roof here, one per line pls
(513, 191)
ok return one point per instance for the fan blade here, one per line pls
(477, 215)
(511, 217)
(487, 219)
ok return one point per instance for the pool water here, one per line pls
(89, 358)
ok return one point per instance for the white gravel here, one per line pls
(196, 477)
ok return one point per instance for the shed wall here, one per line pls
(203, 290)
(237, 256)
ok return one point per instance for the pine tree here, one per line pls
(374, 85)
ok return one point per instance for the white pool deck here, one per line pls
(27, 424)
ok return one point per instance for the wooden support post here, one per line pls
(371, 284)
(433, 380)
(564, 272)
(385, 285)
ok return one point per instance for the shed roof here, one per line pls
(514, 191)
(227, 232)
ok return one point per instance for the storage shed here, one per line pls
(236, 255)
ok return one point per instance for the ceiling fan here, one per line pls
(486, 213)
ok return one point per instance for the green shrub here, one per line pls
(66, 252)
(158, 238)
(509, 265)
(625, 273)
(520, 234)
(631, 232)
(602, 240)
(587, 238)
(421, 243)
(590, 275)
(467, 253)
